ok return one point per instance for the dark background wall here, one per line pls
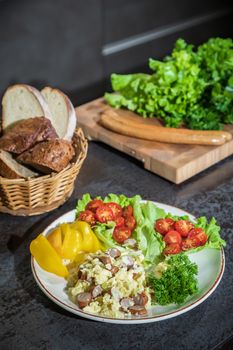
(75, 44)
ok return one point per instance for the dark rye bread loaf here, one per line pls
(26, 133)
(48, 156)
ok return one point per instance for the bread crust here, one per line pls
(26, 133)
(40, 98)
(9, 171)
(48, 156)
(72, 119)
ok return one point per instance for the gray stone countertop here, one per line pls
(29, 320)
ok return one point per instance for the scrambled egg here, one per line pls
(127, 281)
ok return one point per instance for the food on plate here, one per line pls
(48, 156)
(62, 110)
(26, 134)
(69, 239)
(47, 257)
(124, 126)
(112, 284)
(37, 130)
(188, 88)
(173, 280)
(11, 169)
(125, 253)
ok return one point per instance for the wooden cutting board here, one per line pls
(174, 162)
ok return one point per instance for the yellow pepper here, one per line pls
(73, 238)
(47, 257)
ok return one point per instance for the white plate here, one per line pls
(211, 264)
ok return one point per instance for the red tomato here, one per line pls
(128, 211)
(120, 221)
(116, 209)
(172, 237)
(130, 222)
(94, 204)
(87, 216)
(173, 248)
(200, 234)
(120, 234)
(183, 227)
(190, 243)
(104, 214)
(164, 225)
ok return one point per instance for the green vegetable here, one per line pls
(81, 204)
(150, 242)
(213, 232)
(176, 283)
(145, 214)
(192, 88)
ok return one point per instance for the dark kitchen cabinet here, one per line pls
(75, 44)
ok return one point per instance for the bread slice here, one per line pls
(26, 133)
(63, 112)
(48, 156)
(22, 101)
(11, 169)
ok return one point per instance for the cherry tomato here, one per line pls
(130, 222)
(94, 204)
(200, 234)
(116, 209)
(190, 243)
(87, 216)
(104, 214)
(164, 225)
(120, 234)
(173, 248)
(128, 211)
(172, 237)
(183, 227)
(120, 221)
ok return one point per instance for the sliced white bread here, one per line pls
(22, 101)
(11, 169)
(63, 112)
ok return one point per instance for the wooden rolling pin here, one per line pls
(121, 125)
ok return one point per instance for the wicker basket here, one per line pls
(35, 196)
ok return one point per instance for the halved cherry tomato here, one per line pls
(130, 222)
(164, 225)
(104, 214)
(190, 243)
(172, 237)
(116, 209)
(120, 221)
(128, 211)
(94, 204)
(200, 234)
(120, 234)
(184, 227)
(87, 216)
(173, 248)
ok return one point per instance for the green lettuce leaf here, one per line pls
(150, 242)
(104, 233)
(81, 204)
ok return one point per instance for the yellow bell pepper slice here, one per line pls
(90, 242)
(72, 241)
(55, 239)
(47, 257)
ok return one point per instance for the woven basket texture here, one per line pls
(38, 195)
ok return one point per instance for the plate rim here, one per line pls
(115, 320)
